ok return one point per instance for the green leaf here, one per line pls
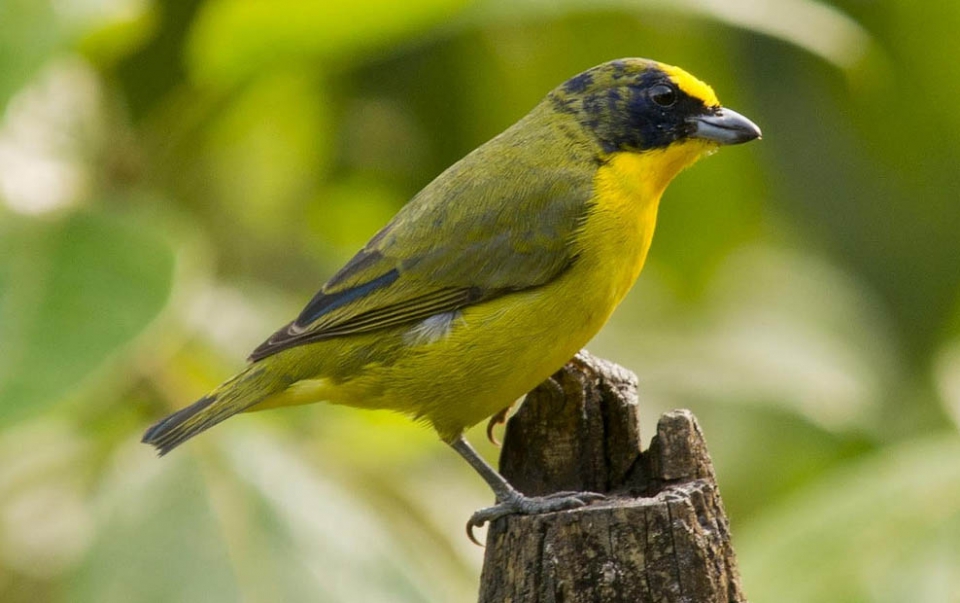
(29, 35)
(307, 538)
(796, 451)
(884, 530)
(946, 375)
(814, 26)
(233, 39)
(158, 539)
(772, 328)
(72, 293)
(265, 149)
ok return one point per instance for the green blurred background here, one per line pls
(178, 177)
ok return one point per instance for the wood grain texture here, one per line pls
(662, 535)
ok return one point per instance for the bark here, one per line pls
(662, 534)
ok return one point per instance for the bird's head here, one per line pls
(638, 105)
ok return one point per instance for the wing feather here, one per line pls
(471, 235)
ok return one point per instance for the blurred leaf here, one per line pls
(946, 374)
(150, 74)
(883, 204)
(122, 34)
(772, 327)
(817, 27)
(34, 31)
(725, 218)
(885, 530)
(71, 294)
(46, 523)
(300, 537)
(796, 452)
(233, 39)
(29, 34)
(919, 34)
(47, 137)
(158, 539)
(267, 149)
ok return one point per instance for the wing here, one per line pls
(464, 239)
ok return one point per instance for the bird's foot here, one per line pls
(530, 505)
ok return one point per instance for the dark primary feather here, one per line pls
(168, 433)
(473, 234)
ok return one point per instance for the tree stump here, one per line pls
(662, 534)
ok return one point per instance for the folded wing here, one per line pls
(461, 241)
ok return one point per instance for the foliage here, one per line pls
(177, 178)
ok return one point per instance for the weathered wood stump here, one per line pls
(662, 535)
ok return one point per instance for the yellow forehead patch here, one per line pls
(691, 85)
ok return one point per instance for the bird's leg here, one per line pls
(509, 500)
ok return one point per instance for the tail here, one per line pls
(236, 395)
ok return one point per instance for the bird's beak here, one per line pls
(725, 126)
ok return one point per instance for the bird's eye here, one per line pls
(663, 95)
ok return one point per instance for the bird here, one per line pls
(495, 274)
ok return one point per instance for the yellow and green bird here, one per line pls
(496, 273)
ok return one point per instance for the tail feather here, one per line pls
(168, 433)
(236, 395)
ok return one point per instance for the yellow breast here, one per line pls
(619, 228)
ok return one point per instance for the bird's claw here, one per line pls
(498, 419)
(530, 505)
